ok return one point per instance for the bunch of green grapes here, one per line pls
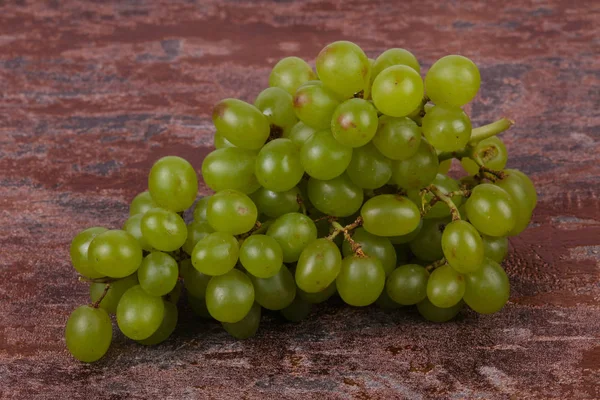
(332, 183)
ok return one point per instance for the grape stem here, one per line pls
(435, 264)
(447, 155)
(96, 304)
(446, 198)
(96, 280)
(356, 248)
(486, 172)
(301, 203)
(257, 229)
(489, 130)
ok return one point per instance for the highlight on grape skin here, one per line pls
(334, 181)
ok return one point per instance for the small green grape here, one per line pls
(487, 289)
(323, 157)
(241, 123)
(490, 152)
(397, 90)
(407, 284)
(166, 328)
(133, 226)
(139, 314)
(368, 168)
(491, 210)
(278, 165)
(513, 184)
(445, 287)
(452, 80)
(374, 246)
(462, 246)
(445, 166)
(230, 168)
(318, 265)
(440, 209)
(88, 333)
(141, 203)
(173, 183)
(495, 248)
(276, 292)
(158, 273)
(216, 254)
(338, 197)
(437, 314)
(114, 253)
(232, 212)
(79, 252)
(261, 256)
(419, 170)
(318, 297)
(397, 138)
(314, 105)
(344, 68)
(300, 133)
(527, 184)
(114, 294)
(392, 57)
(297, 311)
(360, 281)
(447, 128)
(196, 231)
(275, 204)
(293, 232)
(427, 244)
(200, 209)
(195, 282)
(290, 73)
(163, 229)
(390, 215)
(354, 122)
(276, 104)
(229, 297)
(247, 326)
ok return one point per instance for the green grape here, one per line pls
(447, 128)
(368, 168)
(300, 133)
(166, 328)
(276, 104)
(386, 303)
(230, 168)
(491, 210)
(495, 248)
(241, 123)
(402, 239)
(393, 57)
(397, 91)
(141, 203)
(173, 183)
(79, 252)
(278, 165)
(198, 306)
(344, 68)
(318, 265)
(427, 245)
(247, 326)
(397, 138)
(487, 290)
(133, 226)
(290, 73)
(163, 229)
(114, 253)
(139, 314)
(216, 254)
(490, 152)
(232, 212)
(195, 282)
(374, 246)
(338, 197)
(220, 141)
(297, 311)
(318, 297)
(293, 232)
(407, 284)
(440, 209)
(354, 122)
(437, 314)
(462, 246)
(527, 184)
(390, 215)
(419, 170)
(314, 105)
(445, 287)
(174, 295)
(513, 184)
(275, 204)
(452, 80)
(196, 231)
(229, 297)
(445, 166)
(360, 281)
(88, 333)
(200, 209)
(261, 256)
(114, 293)
(158, 273)
(276, 292)
(323, 157)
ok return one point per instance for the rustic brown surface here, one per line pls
(91, 93)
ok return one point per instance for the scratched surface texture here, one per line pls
(91, 93)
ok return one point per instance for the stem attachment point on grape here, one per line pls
(96, 304)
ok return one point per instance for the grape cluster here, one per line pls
(330, 183)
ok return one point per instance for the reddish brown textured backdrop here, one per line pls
(91, 93)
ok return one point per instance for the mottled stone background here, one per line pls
(92, 92)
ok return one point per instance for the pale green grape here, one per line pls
(491, 210)
(354, 122)
(247, 326)
(196, 231)
(392, 57)
(275, 204)
(445, 287)
(344, 68)
(163, 230)
(338, 197)
(513, 184)
(318, 266)
(397, 138)
(141, 203)
(527, 184)
(368, 168)
(462, 246)
(452, 80)
(278, 165)
(276, 292)
(139, 314)
(447, 128)
(402, 239)
(200, 209)
(276, 104)
(88, 333)
(115, 291)
(229, 297)
(195, 282)
(158, 273)
(79, 252)
(445, 166)
(300, 133)
(440, 209)
(427, 244)
(495, 248)
(323, 157)
(487, 289)
(417, 171)
(230, 168)
(114, 253)
(297, 311)
(314, 105)
(220, 141)
(397, 90)
(407, 284)
(390, 215)
(293, 232)
(490, 152)
(261, 256)
(232, 212)
(133, 226)
(241, 123)
(374, 246)
(166, 328)
(173, 183)
(216, 254)
(437, 314)
(289, 73)
(360, 281)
